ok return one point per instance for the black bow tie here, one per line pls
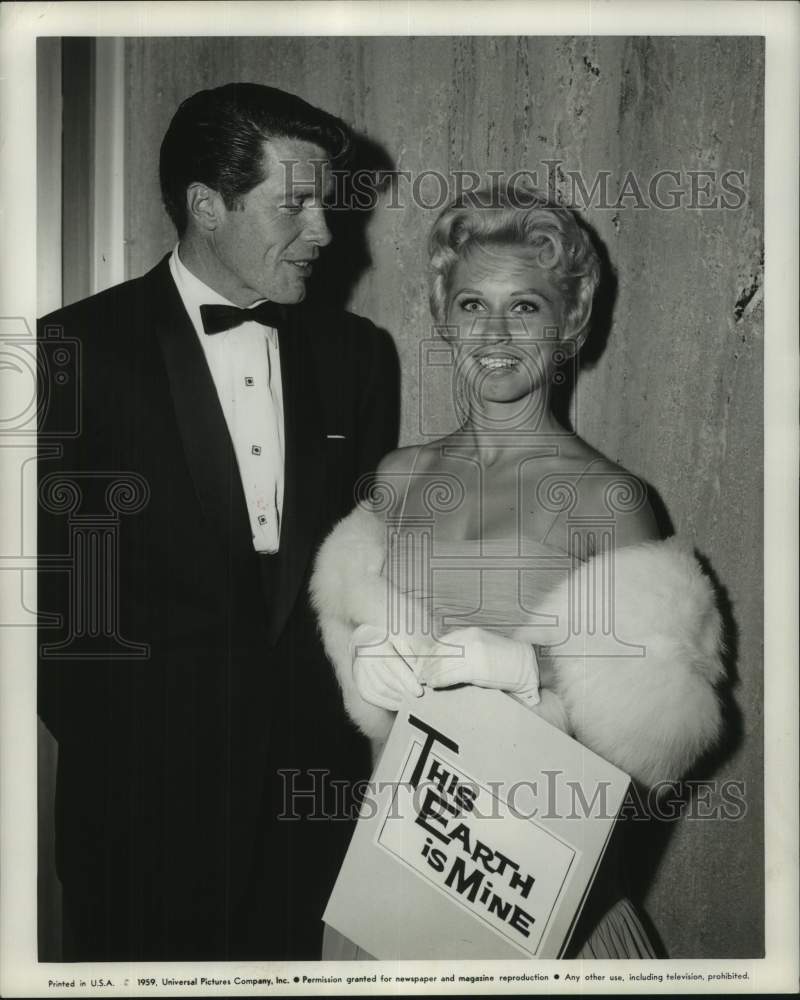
(218, 318)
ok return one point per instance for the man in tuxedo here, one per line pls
(223, 425)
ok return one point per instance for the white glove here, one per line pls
(382, 677)
(476, 656)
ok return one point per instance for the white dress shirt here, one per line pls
(245, 365)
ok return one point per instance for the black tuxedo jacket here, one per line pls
(186, 686)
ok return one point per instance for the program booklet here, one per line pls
(480, 834)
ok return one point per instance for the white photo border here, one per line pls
(20, 24)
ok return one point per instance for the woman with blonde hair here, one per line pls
(533, 514)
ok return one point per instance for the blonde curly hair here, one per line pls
(520, 218)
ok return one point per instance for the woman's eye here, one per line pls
(526, 307)
(471, 305)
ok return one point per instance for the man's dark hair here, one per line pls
(216, 138)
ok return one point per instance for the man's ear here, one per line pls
(205, 206)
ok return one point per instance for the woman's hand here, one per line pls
(381, 675)
(477, 656)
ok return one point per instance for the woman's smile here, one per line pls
(508, 312)
(498, 364)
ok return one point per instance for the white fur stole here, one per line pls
(635, 660)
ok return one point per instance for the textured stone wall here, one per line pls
(671, 386)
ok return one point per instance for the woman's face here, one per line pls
(509, 315)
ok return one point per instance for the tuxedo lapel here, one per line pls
(212, 460)
(200, 420)
(304, 478)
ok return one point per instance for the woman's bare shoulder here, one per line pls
(415, 457)
(607, 488)
(392, 476)
(401, 460)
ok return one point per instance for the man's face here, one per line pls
(265, 247)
